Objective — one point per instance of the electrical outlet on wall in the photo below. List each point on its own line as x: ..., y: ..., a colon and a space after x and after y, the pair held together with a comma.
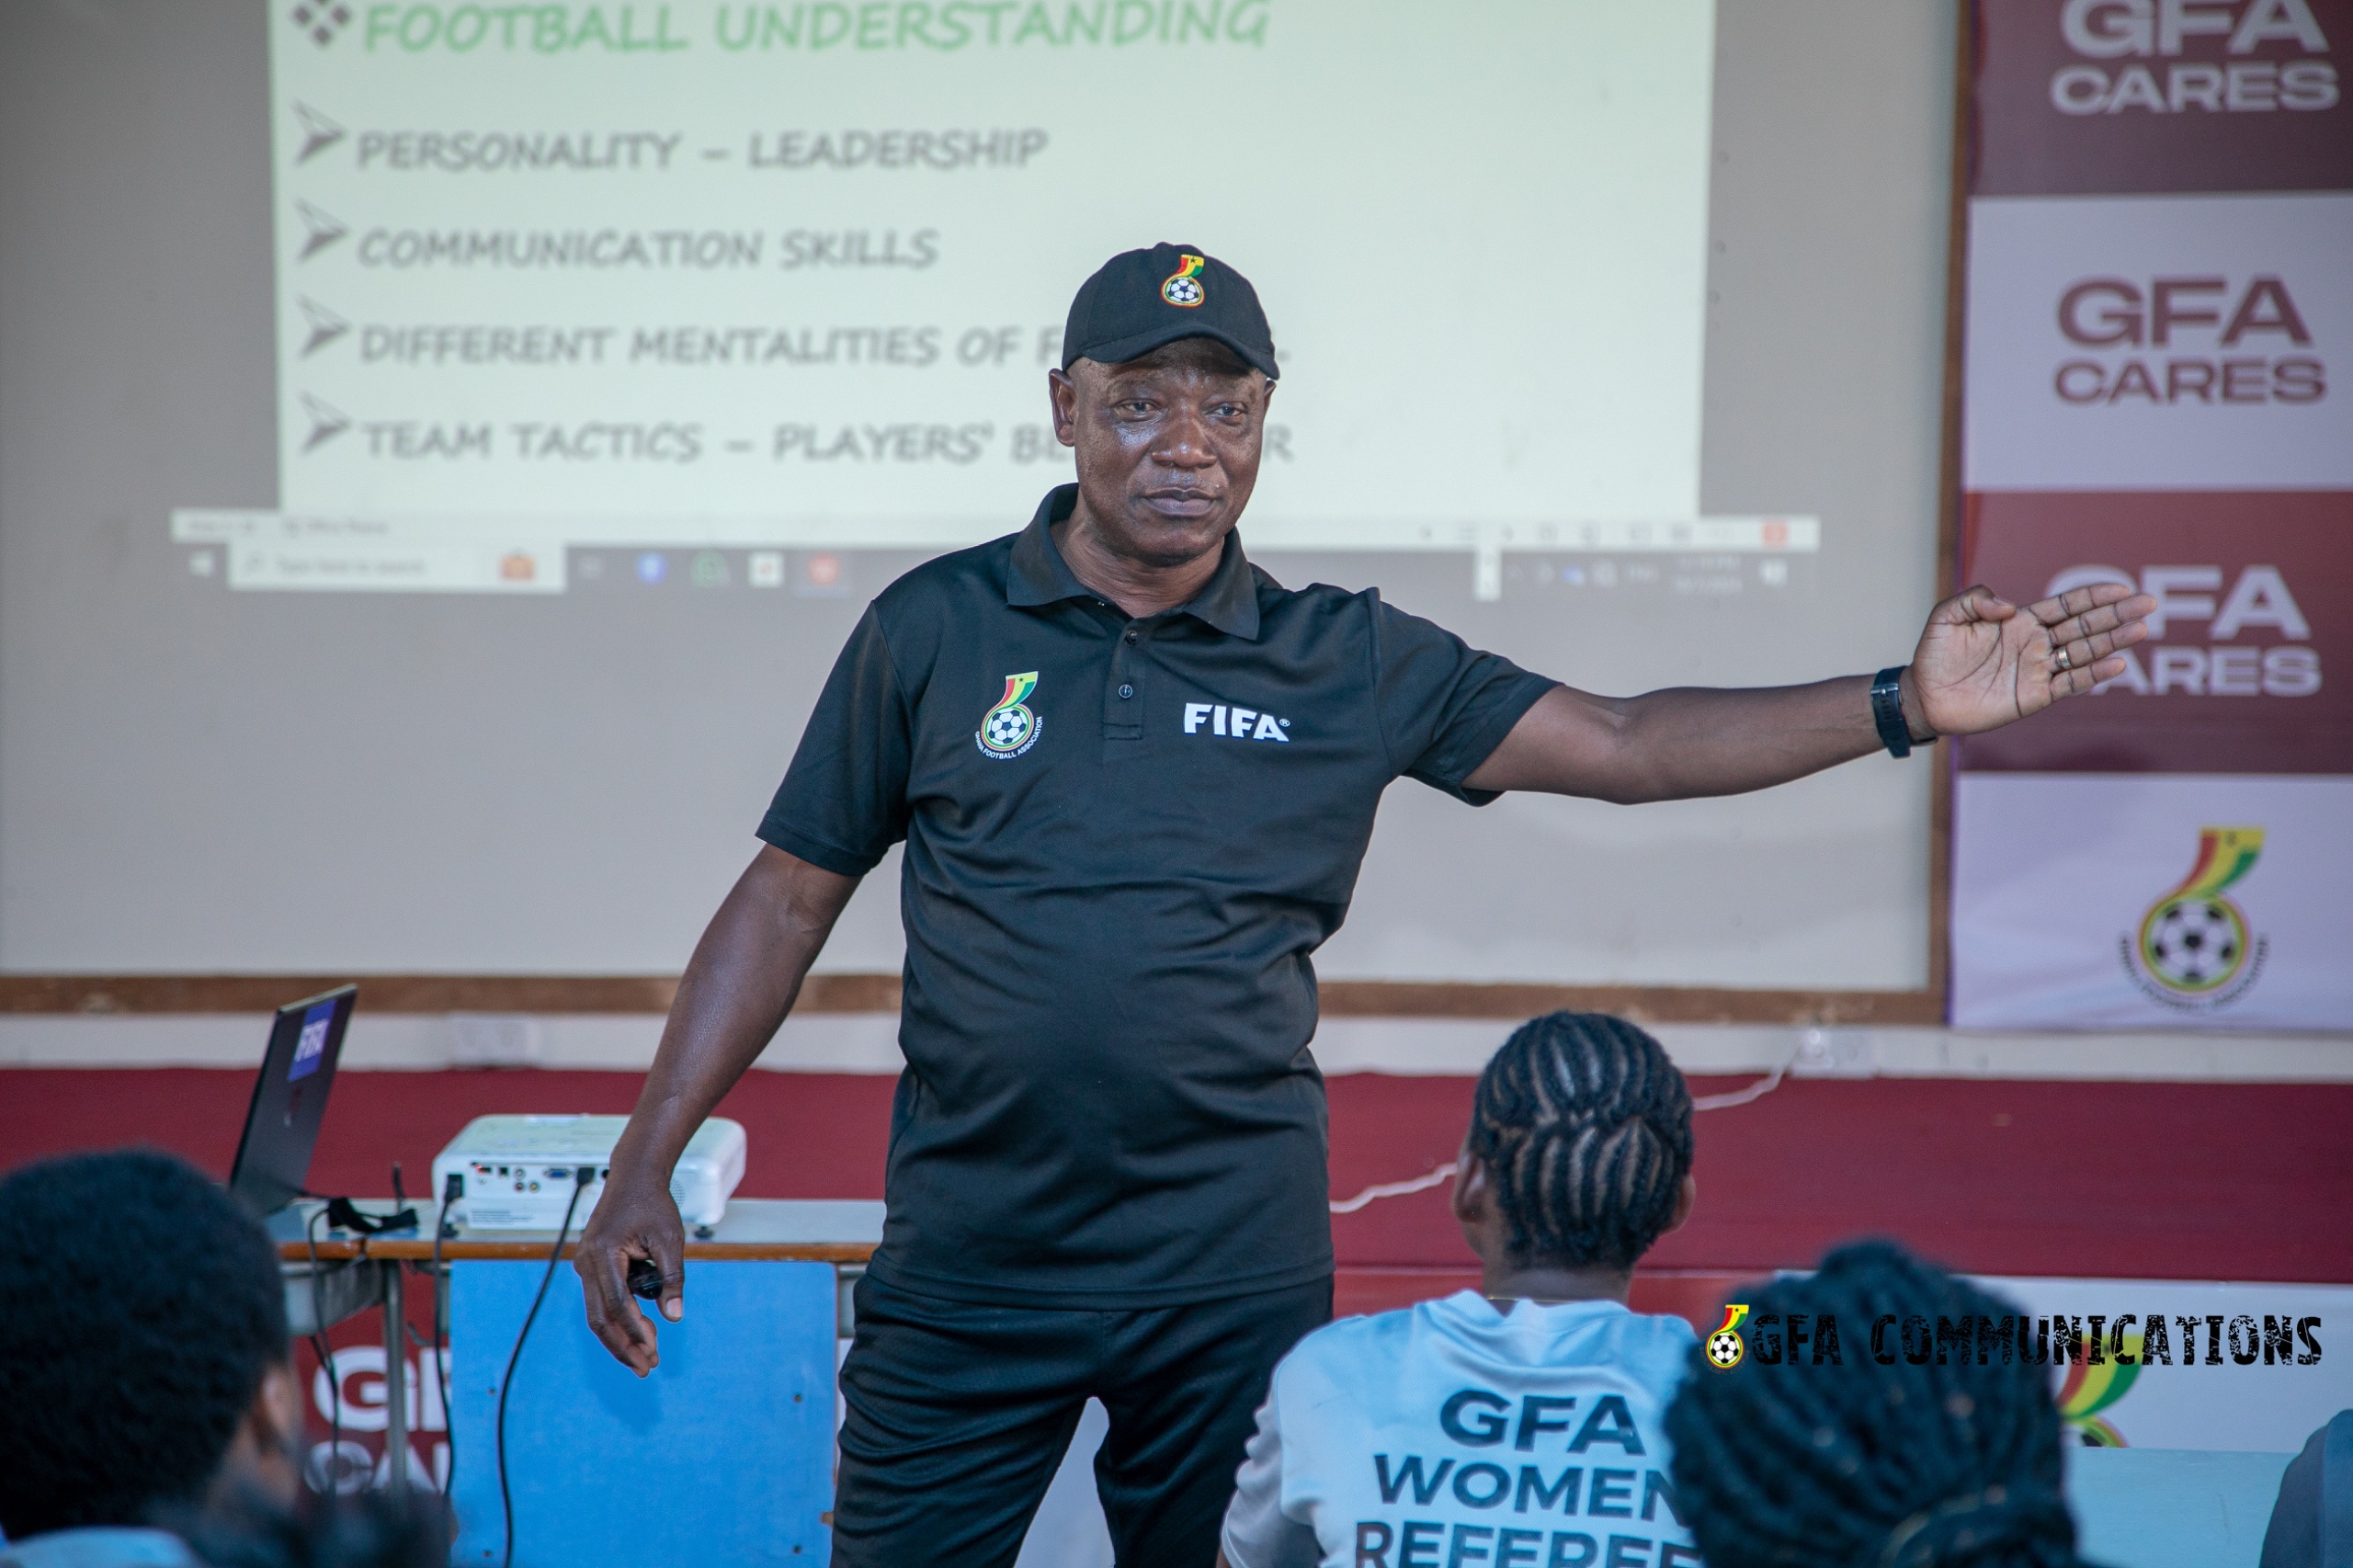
x: 1834, y: 1053
x: 493, y: 1040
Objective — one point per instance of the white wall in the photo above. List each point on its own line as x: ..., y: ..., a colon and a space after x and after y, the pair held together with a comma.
x: 868, y: 1042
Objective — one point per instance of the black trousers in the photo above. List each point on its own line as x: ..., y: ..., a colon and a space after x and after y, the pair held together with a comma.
x: 959, y: 1415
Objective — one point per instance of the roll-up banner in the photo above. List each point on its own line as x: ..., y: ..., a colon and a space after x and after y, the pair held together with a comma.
x: 2158, y: 390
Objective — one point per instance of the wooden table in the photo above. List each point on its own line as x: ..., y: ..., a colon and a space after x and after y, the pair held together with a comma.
x: 755, y: 1230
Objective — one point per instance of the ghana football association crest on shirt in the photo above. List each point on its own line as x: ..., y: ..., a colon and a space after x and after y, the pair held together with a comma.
x: 2194, y: 950
x: 1009, y: 729
x: 1725, y: 1347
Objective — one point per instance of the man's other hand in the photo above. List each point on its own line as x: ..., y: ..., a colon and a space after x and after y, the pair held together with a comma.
x: 735, y: 994
x: 634, y: 1219
x: 1983, y: 662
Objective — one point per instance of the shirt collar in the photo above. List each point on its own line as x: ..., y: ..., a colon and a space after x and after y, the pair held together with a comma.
x: 1040, y: 576
x: 1477, y: 1310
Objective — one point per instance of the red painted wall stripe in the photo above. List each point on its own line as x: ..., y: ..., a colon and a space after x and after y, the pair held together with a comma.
x: 2223, y: 1181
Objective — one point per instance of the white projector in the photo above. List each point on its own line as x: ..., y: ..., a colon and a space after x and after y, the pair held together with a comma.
x: 515, y: 1172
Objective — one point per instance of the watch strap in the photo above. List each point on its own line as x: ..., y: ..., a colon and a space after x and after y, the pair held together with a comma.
x: 1887, y: 711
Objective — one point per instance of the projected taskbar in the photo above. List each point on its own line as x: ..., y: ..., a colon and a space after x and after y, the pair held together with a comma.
x: 288, y: 552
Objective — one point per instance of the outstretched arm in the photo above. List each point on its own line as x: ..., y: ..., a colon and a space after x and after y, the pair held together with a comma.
x: 746, y: 973
x: 1982, y: 663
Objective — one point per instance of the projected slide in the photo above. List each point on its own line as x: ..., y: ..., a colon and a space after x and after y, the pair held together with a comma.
x: 791, y: 275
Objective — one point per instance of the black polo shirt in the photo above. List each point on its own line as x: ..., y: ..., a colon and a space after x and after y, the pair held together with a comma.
x: 1124, y: 840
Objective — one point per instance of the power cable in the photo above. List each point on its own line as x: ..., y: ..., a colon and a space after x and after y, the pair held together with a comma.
x: 329, y: 1472
x: 580, y: 1180
x: 1747, y: 1094
x: 451, y: 1189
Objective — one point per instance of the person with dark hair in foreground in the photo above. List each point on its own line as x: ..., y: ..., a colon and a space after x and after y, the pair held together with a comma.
x: 144, y: 1367
x: 1867, y: 1462
x: 1519, y: 1423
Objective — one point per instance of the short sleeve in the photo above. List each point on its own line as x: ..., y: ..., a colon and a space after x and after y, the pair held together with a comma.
x: 1258, y: 1533
x: 844, y: 801
x: 1443, y: 706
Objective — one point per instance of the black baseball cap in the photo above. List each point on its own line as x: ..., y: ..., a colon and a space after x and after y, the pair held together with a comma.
x: 1141, y: 299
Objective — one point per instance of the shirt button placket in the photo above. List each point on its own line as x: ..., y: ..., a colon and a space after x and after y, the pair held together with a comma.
x: 1123, y: 693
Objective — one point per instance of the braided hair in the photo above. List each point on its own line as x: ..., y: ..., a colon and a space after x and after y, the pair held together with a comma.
x: 1585, y: 1127
x: 1860, y: 1464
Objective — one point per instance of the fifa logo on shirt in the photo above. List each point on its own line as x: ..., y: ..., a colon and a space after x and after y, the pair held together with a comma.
x: 1009, y: 729
x: 1239, y: 723
x: 1725, y: 1347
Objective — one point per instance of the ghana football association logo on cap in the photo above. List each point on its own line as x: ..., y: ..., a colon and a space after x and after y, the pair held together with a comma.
x: 2194, y: 950
x: 1184, y: 287
x: 1009, y: 727
x: 1725, y: 1347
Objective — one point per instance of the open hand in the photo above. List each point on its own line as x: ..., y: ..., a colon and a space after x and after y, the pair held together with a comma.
x: 1983, y: 662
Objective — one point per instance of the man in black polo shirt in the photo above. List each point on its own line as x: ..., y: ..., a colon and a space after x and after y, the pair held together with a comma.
x: 1135, y: 778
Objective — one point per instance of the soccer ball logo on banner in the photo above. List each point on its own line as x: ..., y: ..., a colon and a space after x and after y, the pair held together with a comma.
x: 2194, y: 944
x: 2194, y: 949
x: 2089, y: 1390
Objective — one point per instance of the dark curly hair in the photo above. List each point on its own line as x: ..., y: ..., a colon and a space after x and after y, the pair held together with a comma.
x: 139, y: 1307
x: 1585, y: 1127
x: 1861, y: 1463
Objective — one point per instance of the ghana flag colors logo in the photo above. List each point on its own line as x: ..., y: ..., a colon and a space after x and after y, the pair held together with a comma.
x: 1184, y: 286
x: 1725, y: 1347
x: 1009, y: 727
x: 2089, y: 1390
x: 2193, y: 947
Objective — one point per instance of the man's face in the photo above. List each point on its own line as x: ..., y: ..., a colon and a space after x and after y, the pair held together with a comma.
x: 1167, y: 447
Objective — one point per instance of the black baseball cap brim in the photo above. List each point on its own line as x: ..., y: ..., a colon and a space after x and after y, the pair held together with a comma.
x: 1119, y: 350
x: 1129, y: 308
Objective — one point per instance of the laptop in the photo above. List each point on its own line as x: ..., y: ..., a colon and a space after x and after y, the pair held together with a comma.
x: 290, y: 1100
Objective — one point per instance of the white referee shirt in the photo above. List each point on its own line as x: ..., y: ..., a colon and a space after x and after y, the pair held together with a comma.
x: 1452, y: 1435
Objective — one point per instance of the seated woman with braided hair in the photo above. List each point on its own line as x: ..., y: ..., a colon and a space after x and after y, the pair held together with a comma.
x: 1517, y: 1425
x: 1869, y: 1459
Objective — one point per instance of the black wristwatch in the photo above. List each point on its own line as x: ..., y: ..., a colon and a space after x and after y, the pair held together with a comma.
x: 1887, y: 711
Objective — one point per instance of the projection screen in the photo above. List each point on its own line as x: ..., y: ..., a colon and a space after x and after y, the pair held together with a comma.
x: 443, y: 446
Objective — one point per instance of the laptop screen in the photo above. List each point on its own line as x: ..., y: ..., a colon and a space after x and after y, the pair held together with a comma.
x: 290, y: 1100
